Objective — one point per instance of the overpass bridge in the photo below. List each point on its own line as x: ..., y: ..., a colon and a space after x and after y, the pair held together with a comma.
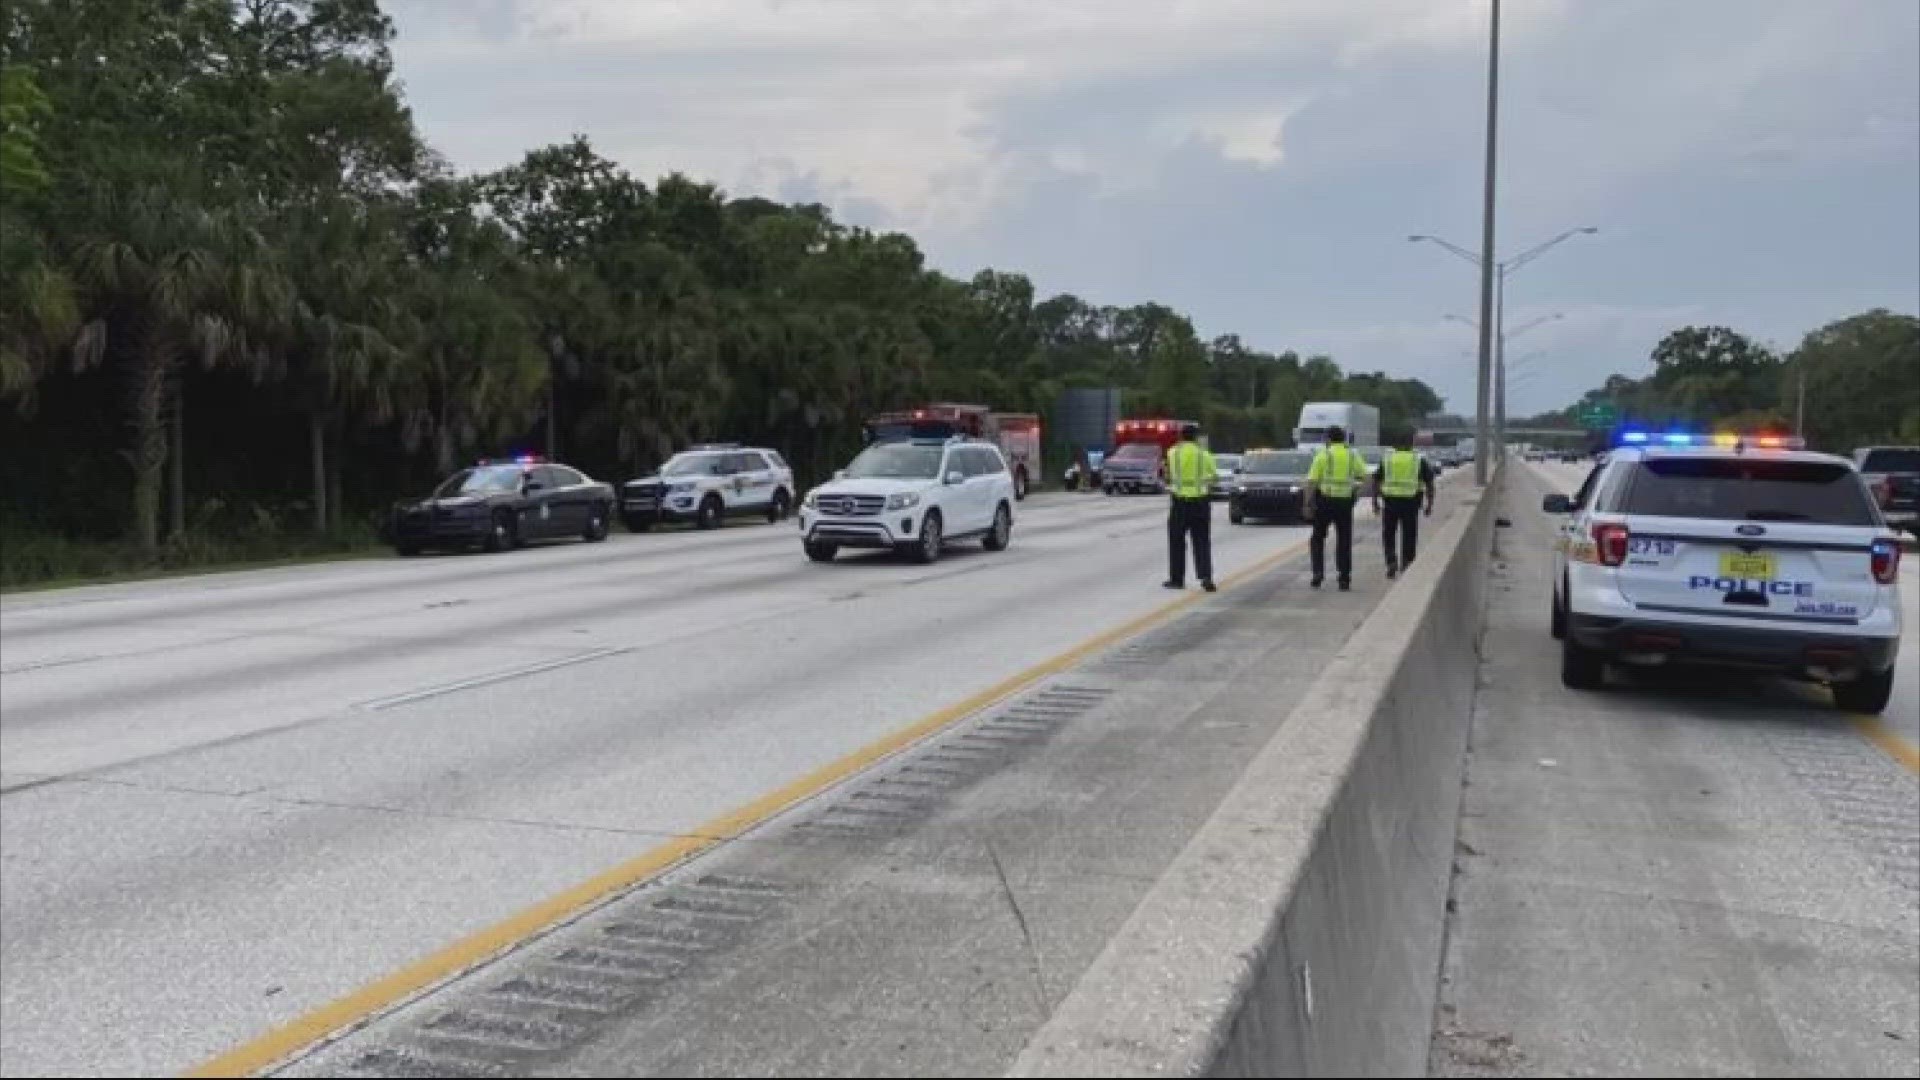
x: 1511, y: 431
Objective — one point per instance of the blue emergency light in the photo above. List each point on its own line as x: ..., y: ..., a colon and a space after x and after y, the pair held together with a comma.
x: 1668, y: 438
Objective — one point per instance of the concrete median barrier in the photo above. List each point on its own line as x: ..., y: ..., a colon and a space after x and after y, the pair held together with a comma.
x: 1300, y: 931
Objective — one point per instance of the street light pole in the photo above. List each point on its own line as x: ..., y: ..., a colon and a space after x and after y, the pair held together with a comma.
x: 1486, y: 248
x: 1500, y: 362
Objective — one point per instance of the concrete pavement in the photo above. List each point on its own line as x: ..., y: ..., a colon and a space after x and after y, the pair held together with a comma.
x: 1679, y: 876
x: 232, y: 799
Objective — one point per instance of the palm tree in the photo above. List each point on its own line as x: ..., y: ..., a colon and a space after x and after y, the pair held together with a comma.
x: 164, y: 281
x: 334, y: 346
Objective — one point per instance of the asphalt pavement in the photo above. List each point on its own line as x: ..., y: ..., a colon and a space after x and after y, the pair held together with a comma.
x: 229, y: 800
x: 1681, y: 875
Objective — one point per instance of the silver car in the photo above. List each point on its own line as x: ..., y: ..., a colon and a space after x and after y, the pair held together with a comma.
x: 1227, y: 466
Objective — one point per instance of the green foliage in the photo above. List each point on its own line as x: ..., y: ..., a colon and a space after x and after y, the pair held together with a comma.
x: 1862, y: 379
x: 1861, y: 376
x: 23, y: 110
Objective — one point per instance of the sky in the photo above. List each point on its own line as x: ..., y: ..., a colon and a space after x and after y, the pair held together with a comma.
x: 1260, y: 164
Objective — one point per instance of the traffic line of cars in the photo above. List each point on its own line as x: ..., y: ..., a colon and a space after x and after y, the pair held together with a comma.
x: 499, y: 505
x: 912, y: 496
x: 1749, y: 553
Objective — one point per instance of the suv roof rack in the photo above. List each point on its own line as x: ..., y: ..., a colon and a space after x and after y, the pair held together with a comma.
x: 715, y: 446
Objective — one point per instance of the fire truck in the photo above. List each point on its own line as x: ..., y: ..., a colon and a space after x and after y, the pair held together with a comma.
x: 1016, y: 434
x: 1138, y: 462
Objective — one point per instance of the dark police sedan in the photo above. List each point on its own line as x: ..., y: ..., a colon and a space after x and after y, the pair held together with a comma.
x: 1269, y: 485
x: 502, y: 504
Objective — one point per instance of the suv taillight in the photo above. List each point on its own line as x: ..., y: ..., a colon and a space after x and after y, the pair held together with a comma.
x: 1886, y: 561
x: 1610, y: 543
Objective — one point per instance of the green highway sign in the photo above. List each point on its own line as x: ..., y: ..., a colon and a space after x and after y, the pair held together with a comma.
x: 1598, y: 416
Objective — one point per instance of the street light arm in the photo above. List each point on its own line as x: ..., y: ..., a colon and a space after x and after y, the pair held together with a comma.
x: 1538, y: 250
x: 1526, y: 326
x: 1448, y: 244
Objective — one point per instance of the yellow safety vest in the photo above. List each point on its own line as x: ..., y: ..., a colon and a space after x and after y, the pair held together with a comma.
x: 1400, y: 476
x: 1190, y: 471
x: 1333, y: 470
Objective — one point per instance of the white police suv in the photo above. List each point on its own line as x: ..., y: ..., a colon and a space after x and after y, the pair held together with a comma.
x: 1749, y: 552
x: 708, y: 483
x: 912, y: 497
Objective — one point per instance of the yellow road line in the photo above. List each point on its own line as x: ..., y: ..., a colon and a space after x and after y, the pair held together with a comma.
x: 362, y: 1004
x: 1897, y: 748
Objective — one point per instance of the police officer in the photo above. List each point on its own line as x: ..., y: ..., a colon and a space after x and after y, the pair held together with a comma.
x: 1331, y: 480
x: 1399, y: 480
x: 1190, y: 476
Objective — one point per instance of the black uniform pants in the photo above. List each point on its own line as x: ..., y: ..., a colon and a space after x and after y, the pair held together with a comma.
x: 1190, y: 517
x: 1400, y: 516
x: 1335, y: 514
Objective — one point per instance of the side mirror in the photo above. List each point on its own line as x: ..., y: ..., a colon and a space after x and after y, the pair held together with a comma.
x: 1557, y: 504
x: 839, y: 474
x: 956, y: 477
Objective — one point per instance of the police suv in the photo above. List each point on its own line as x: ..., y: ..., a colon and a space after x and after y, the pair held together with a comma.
x: 912, y: 497
x: 708, y: 483
x: 1749, y: 552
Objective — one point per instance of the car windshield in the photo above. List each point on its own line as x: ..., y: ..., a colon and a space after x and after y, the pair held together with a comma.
x: 896, y: 461
x: 690, y: 465
x: 1737, y: 489
x: 1892, y: 460
x: 477, y: 481
x: 1277, y: 463
x: 1138, y: 451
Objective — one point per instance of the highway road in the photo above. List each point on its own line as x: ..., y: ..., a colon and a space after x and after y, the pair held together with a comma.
x: 1686, y: 874
x: 231, y: 799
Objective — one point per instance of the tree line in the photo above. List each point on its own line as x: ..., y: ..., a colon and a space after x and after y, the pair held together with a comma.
x: 1853, y: 382
x: 241, y: 286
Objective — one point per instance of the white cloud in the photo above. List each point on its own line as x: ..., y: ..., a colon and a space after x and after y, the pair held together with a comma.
x: 1254, y: 140
x: 892, y: 98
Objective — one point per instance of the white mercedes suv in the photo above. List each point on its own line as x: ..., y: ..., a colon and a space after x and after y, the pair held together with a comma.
x: 1748, y: 554
x: 912, y: 497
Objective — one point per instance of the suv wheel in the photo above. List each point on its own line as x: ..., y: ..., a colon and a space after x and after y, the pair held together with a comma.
x: 708, y: 516
x: 1234, y: 516
x: 1019, y: 484
x: 1001, y: 534
x: 1581, y: 668
x: 782, y: 506
x: 931, y: 537
x: 820, y: 552
x: 1866, y: 694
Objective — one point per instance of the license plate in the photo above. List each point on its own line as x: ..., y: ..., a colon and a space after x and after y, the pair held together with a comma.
x: 1750, y: 567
